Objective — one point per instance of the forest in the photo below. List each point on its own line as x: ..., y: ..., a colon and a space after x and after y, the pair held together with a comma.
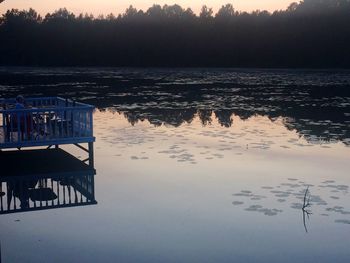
x: 308, y: 34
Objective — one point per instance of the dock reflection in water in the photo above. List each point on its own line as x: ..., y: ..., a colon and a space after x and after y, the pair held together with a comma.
x: 38, y: 180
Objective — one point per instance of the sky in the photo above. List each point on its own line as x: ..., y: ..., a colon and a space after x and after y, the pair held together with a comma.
x: 97, y: 7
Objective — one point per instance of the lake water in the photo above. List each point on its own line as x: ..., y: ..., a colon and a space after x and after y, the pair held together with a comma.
x: 198, y: 165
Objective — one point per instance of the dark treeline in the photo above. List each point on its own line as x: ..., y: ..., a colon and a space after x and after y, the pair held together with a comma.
x: 312, y: 33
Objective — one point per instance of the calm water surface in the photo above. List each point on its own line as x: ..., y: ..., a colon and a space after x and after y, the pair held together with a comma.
x: 198, y: 166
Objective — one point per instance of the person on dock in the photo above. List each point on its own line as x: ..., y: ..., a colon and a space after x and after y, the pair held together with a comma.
x: 20, y: 121
x: 20, y: 102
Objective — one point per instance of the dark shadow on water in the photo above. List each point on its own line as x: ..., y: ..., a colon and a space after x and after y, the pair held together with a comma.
x: 44, y: 179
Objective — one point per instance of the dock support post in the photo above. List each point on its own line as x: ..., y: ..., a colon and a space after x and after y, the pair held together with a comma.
x: 91, y: 154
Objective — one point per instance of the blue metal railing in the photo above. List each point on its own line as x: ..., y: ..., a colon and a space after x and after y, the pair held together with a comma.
x: 45, y: 121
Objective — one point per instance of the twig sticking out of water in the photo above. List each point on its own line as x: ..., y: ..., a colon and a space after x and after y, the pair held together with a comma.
x: 306, y: 205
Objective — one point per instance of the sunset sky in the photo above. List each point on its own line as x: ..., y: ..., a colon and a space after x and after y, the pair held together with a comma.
x: 114, y: 6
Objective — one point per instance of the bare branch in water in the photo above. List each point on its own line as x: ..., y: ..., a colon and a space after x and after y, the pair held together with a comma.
x: 306, y: 204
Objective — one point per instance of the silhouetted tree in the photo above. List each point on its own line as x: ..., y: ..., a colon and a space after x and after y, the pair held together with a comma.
x: 226, y: 12
x: 206, y: 13
x: 60, y: 15
x: 15, y: 17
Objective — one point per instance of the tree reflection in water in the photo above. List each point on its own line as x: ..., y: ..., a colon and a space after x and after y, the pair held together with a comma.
x: 316, y: 104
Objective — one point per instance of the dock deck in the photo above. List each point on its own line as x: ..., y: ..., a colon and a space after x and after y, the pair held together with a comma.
x: 44, y: 122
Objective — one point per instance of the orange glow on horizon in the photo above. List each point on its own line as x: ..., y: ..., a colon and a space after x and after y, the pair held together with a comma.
x: 97, y: 7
